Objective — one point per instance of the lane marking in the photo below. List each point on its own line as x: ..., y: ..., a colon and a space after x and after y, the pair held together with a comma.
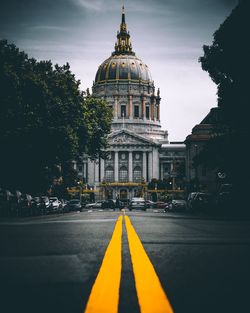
x: 104, y: 296
x: 151, y: 296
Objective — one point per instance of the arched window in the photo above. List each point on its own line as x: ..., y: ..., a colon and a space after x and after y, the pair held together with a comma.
x: 137, y: 174
x: 147, y: 112
x: 109, y: 174
x: 136, y: 111
x: 123, y: 174
x: 123, y: 110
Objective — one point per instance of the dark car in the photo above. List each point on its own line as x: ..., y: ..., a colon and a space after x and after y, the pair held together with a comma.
x: 108, y: 204
x: 178, y: 205
x: 6, y: 201
x: 200, y: 201
x: 123, y: 203
x: 74, y: 205
x: 226, y: 196
x: 36, y: 205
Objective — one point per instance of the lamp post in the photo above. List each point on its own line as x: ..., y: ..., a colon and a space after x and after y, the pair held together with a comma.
x: 80, y: 183
x: 196, y: 170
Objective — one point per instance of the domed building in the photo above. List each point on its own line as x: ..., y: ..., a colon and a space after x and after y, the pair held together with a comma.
x: 125, y: 82
x: 137, y: 144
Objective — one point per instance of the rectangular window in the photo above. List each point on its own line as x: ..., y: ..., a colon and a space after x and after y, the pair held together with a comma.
x: 123, y: 175
x: 136, y: 111
x: 147, y: 112
x: 123, y: 110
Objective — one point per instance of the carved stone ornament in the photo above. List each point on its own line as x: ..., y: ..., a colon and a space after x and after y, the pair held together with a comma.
x: 124, y: 138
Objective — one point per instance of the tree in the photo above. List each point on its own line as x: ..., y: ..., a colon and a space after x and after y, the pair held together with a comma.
x: 45, y: 120
x: 228, y: 64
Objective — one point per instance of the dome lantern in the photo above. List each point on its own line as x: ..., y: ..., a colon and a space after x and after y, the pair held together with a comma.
x: 123, y: 44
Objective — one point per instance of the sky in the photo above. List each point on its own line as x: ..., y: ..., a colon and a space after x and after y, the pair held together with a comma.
x: 167, y: 35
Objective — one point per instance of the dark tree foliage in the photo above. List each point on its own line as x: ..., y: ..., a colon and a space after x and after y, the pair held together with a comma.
x: 45, y: 121
x: 228, y: 63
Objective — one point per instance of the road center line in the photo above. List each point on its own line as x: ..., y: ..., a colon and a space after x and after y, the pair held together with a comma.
x: 104, y: 296
x: 151, y: 296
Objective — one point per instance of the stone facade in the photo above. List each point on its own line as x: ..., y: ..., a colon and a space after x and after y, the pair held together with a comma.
x: 198, y: 177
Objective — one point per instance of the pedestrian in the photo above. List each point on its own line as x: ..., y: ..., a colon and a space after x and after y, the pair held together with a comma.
x: 117, y: 203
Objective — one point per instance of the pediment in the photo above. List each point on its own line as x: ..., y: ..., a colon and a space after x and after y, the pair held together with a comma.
x: 125, y: 137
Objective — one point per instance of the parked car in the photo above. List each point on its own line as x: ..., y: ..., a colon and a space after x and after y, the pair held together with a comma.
x: 226, y: 197
x: 73, y: 205
x: 178, y: 205
x: 108, y: 204
x: 36, y: 205
x: 95, y: 205
x: 124, y: 203
x: 6, y: 202
x: 167, y: 207
x: 64, y: 205
x: 150, y: 204
x: 138, y: 203
x: 200, y: 201
x: 25, y: 206
x: 45, y: 205
x: 160, y: 204
x: 55, y: 204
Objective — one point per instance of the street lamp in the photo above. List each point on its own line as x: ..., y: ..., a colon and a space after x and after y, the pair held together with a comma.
x: 196, y: 169
x: 80, y: 183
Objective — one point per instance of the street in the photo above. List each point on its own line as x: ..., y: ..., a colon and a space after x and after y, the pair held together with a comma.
x: 50, y: 263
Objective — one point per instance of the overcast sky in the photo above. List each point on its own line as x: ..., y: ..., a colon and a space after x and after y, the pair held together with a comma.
x: 167, y: 35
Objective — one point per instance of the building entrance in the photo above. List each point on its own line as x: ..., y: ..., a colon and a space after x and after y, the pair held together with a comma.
x: 123, y: 194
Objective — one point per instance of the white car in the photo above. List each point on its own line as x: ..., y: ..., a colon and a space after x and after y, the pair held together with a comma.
x: 55, y: 204
x: 95, y: 205
x: 138, y: 203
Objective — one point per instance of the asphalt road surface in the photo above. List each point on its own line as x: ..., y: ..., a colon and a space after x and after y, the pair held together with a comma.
x: 50, y: 263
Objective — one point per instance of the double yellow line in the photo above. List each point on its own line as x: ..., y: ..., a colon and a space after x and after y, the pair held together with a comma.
x: 104, y: 297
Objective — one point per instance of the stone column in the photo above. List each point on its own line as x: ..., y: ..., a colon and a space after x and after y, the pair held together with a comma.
x: 143, y: 107
x: 96, y: 171
x: 91, y: 173
x: 162, y: 173
x: 116, y: 108
x: 150, y: 166
x: 144, y: 165
x: 155, y: 163
x: 152, y: 110
x: 102, y: 169
x: 158, y: 111
x: 84, y: 169
x: 130, y: 107
x: 116, y: 167
x: 130, y: 166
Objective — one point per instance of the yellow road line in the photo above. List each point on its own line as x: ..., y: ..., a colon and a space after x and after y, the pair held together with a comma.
x: 151, y: 296
x: 104, y: 297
